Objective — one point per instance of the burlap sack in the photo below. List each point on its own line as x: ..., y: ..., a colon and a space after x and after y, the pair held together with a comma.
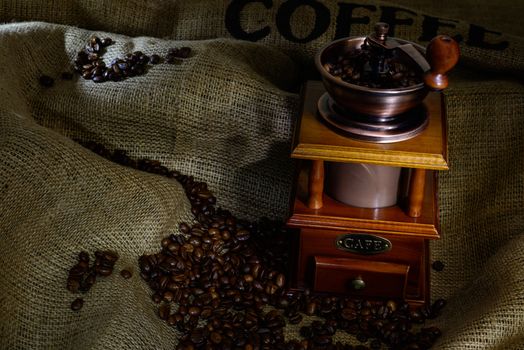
x: 499, y: 16
x: 225, y: 116
x: 299, y: 27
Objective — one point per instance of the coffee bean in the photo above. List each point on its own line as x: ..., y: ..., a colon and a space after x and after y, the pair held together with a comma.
x: 311, y: 308
x: 94, y: 40
x: 98, y: 79
x: 255, y: 270
x: 77, y: 304
x: 83, y: 256
x: 171, y: 59
x: 177, y: 53
x: 349, y: 314
x: 197, y: 337
x: 163, y: 311
x: 280, y: 280
x: 215, y: 338
x: 438, y: 265
x: 73, y: 285
x: 271, y: 288
x: 194, y: 311
x: 248, y: 278
x: 154, y: 59
x: 168, y: 296
x: 90, y: 279
x: 184, y: 52
x: 83, y: 265
x: 365, y: 311
x: 438, y: 305
x: 109, y: 256
x: 126, y: 274
x: 416, y: 316
x: 426, y: 311
x: 362, y: 337
x: 295, y: 318
x: 77, y: 271
x: 184, y: 228
x: 46, y: 81
x: 391, y: 305
x: 263, y: 330
x: 173, y: 319
x: 93, y: 57
x: 243, y: 235
x: 157, y: 298
x: 198, y: 253
x: 106, y: 41
x: 93, y: 47
x: 104, y: 271
x: 195, y: 241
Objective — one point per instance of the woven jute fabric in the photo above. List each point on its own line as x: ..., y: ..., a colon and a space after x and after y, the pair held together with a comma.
x: 500, y: 16
x: 226, y: 116
x: 299, y: 27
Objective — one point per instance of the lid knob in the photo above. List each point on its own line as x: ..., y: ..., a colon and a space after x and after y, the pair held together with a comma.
x: 381, y: 31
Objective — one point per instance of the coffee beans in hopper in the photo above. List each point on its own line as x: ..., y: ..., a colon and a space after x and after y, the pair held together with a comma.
x: 221, y: 281
x: 365, y: 67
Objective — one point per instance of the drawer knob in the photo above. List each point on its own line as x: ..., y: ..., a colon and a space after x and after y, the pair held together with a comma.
x: 358, y: 283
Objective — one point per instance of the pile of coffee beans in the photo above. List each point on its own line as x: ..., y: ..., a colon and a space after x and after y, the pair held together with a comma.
x: 369, y: 68
x: 221, y: 281
x: 82, y: 276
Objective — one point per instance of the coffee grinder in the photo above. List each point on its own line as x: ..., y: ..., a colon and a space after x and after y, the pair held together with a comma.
x: 364, y: 204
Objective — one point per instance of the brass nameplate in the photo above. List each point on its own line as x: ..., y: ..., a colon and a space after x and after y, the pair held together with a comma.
x: 361, y: 243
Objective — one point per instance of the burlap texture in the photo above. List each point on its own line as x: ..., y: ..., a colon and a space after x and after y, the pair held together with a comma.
x: 225, y: 116
x: 287, y: 23
x: 501, y: 16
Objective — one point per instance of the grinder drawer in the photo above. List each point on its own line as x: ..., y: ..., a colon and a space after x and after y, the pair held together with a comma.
x: 359, y: 277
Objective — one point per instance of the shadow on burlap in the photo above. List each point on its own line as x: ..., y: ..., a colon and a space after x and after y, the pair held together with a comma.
x: 225, y: 115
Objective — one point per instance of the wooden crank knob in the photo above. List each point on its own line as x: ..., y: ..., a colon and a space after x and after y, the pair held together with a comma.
x: 442, y: 55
